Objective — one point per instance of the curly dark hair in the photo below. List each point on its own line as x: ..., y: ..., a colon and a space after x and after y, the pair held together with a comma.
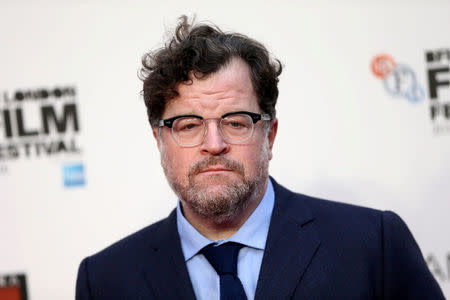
x: 201, y: 50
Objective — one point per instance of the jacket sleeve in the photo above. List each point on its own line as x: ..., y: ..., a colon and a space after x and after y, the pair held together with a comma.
x: 406, y: 274
x: 82, y: 287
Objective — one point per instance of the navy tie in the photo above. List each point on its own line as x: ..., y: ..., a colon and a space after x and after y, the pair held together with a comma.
x: 224, y: 258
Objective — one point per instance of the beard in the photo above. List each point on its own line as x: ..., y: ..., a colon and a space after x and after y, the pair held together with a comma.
x: 219, y: 197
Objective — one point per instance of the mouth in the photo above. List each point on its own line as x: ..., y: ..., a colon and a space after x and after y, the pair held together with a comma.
x: 215, y: 170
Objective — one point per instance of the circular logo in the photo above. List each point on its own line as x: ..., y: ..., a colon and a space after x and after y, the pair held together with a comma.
x: 382, y: 65
x: 402, y: 82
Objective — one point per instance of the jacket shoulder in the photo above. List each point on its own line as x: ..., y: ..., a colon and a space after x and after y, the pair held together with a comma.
x: 324, y: 210
x: 118, y: 269
x: 341, y: 226
x: 135, y: 243
x: 127, y: 254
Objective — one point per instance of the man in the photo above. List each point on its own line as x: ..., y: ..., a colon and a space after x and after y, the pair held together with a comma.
x: 236, y: 233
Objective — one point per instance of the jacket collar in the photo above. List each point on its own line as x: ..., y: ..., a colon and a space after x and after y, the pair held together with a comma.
x: 291, y: 244
x: 165, y: 271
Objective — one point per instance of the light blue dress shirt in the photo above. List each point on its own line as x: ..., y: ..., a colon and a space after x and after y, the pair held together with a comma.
x: 252, y: 234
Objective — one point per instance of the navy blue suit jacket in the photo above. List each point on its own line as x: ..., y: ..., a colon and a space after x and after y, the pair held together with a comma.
x: 316, y: 249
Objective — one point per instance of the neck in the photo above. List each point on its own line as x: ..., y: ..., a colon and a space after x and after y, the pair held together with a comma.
x: 210, y: 228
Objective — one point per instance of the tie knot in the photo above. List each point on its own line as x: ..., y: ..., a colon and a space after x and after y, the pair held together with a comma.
x: 223, y: 258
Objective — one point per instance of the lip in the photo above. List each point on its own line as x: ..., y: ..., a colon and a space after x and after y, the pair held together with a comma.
x: 215, y: 169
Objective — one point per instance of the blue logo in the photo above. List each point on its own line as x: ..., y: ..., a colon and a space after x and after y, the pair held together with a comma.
x: 399, y: 80
x: 402, y: 82
x: 73, y: 175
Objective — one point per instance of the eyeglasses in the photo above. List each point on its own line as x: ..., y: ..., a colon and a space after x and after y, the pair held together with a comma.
x: 235, y: 127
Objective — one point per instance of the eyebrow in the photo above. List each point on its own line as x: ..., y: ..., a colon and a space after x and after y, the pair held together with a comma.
x: 222, y: 116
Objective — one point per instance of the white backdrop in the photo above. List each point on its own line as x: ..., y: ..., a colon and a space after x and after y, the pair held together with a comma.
x: 342, y: 134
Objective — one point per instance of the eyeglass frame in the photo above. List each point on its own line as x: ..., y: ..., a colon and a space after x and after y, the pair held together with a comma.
x: 254, y: 116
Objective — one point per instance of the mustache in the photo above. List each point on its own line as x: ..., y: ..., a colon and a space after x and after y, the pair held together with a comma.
x: 216, y: 160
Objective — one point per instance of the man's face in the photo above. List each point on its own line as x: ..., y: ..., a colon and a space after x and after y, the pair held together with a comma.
x: 216, y: 179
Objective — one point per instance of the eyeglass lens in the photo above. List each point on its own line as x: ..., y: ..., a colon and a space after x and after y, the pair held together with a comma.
x: 190, y: 131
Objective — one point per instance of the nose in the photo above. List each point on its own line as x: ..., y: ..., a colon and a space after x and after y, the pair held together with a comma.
x: 214, y: 143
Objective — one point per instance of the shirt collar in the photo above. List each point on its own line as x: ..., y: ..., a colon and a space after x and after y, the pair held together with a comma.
x: 253, y: 233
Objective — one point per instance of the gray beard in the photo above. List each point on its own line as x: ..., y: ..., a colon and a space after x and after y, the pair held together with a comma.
x: 223, y: 206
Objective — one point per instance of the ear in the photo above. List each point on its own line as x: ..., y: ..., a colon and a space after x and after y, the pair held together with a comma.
x: 157, y: 137
x: 272, y: 134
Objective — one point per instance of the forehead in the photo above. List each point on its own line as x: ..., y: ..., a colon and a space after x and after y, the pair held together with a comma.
x: 229, y: 89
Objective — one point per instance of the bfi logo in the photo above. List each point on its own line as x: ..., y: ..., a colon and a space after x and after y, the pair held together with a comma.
x: 438, y: 71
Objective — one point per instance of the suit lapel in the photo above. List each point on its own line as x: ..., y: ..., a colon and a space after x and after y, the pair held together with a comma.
x: 166, y: 272
x: 291, y: 244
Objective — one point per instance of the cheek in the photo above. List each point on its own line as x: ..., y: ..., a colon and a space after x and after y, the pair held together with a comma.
x: 177, y: 160
x: 262, y: 156
x: 252, y: 158
x: 181, y: 164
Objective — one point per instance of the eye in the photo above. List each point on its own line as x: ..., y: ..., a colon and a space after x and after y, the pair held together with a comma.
x: 187, y: 124
x: 187, y: 127
x: 235, y: 124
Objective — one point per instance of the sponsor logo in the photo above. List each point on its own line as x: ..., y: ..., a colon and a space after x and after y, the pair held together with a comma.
x: 13, y: 287
x: 73, y: 175
x: 399, y: 80
x: 438, y: 73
